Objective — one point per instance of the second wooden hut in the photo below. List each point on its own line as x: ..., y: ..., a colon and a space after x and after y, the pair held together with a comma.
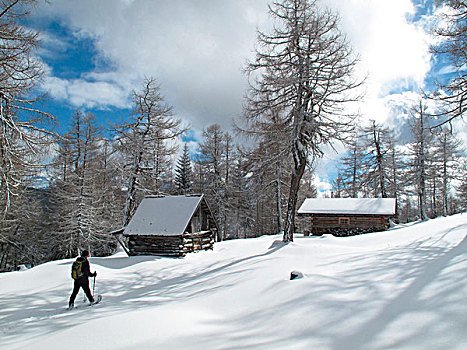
x: 346, y: 216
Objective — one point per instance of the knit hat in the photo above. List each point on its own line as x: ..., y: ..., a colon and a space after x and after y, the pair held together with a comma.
x: 85, y: 253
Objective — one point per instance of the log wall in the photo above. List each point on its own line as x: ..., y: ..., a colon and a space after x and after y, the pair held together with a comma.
x: 170, y: 245
x: 357, y: 224
x: 200, y: 241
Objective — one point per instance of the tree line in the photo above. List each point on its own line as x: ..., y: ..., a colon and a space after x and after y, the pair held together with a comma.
x: 426, y: 176
x: 300, y: 83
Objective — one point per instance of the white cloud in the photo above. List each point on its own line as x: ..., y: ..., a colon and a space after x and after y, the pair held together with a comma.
x: 197, y: 49
x: 323, y: 186
x: 83, y: 93
x: 394, y: 52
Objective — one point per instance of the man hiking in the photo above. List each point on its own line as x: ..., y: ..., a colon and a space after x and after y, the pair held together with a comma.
x: 80, y: 272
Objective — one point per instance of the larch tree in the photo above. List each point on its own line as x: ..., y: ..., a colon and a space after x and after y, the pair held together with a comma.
x: 452, y: 35
x: 211, y: 161
x: 143, y: 143
x: 239, y: 222
x: 268, y: 163
x: 396, y: 177
x: 419, y: 152
x: 351, y: 166
x: 304, y: 67
x: 24, y: 129
x: 461, y: 188
x: 377, y: 166
x: 447, y: 149
x: 80, y: 190
x: 338, y: 186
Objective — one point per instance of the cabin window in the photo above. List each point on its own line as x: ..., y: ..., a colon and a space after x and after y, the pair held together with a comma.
x: 344, y: 221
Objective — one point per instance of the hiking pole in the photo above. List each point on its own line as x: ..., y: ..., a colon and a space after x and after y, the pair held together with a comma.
x: 94, y: 285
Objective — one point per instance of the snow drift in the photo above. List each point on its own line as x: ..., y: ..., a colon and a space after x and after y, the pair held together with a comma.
x: 404, y: 288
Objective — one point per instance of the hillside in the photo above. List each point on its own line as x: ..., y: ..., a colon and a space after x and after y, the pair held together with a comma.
x: 401, y: 289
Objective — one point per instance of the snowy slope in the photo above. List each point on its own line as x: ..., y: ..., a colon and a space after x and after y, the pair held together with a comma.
x: 401, y: 289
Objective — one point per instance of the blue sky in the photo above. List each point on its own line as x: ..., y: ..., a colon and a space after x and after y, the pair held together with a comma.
x: 97, y: 52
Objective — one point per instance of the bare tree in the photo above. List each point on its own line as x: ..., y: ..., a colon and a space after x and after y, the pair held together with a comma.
x: 452, y: 33
x: 267, y: 166
x: 377, y: 166
x: 351, y: 169
x: 81, y: 214
x: 304, y: 68
x: 268, y: 163
x: 212, y: 160
x: 23, y: 128
x: 143, y: 143
x: 396, y: 178
x: 447, y: 150
x: 462, y: 186
x: 420, y: 154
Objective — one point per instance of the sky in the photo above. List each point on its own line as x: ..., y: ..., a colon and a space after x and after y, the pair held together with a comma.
x: 97, y: 52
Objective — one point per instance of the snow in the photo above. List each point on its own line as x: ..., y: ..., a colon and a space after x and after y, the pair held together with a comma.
x: 164, y: 216
x: 404, y: 288
x: 377, y: 206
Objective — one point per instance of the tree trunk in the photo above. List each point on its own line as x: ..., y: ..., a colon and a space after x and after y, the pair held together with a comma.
x: 280, y: 220
x: 445, y: 177
x: 297, y: 174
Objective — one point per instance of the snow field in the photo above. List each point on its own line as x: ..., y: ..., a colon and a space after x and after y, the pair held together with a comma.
x: 400, y: 289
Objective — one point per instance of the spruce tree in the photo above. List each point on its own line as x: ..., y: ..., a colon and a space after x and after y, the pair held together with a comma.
x: 183, y: 172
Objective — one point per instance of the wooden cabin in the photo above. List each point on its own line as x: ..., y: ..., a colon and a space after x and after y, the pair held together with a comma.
x: 346, y: 216
x: 170, y: 226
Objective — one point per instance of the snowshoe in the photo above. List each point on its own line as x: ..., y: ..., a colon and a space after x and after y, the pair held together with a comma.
x: 97, y: 300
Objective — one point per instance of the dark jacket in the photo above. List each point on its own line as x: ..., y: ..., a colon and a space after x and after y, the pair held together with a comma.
x: 85, y: 268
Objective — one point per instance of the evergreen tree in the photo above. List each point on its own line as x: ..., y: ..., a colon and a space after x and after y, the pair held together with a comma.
x: 183, y: 172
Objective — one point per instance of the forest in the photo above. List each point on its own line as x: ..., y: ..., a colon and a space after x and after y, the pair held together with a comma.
x: 62, y: 192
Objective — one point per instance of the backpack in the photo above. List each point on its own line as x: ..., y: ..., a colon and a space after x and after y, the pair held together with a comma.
x: 76, y: 270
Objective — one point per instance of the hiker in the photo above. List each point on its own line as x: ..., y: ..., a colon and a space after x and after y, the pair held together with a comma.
x: 81, y: 278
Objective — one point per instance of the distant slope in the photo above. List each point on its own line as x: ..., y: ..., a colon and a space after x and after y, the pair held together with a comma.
x: 401, y: 289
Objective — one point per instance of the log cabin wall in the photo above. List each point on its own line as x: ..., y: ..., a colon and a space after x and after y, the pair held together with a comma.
x: 199, y: 241
x: 155, y: 245
x: 170, y: 245
x: 344, y: 224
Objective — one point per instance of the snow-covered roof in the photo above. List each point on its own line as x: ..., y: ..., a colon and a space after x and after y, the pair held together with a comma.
x: 375, y: 206
x: 164, y: 216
